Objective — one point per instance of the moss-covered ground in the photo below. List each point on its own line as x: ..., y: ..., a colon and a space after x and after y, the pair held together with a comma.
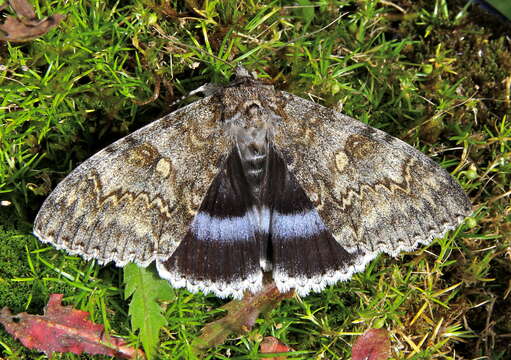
x: 434, y: 73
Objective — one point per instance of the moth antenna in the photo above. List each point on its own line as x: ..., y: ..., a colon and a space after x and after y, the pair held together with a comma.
x: 210, y: 89
x: 206, y: 90
x: 241, y: 72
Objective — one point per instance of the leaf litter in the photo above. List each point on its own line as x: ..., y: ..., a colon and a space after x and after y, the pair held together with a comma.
x: 374, y: 344
x: 65, y: 329
x: 25, y: 26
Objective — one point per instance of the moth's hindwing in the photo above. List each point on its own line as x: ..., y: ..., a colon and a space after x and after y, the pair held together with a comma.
x: 304, y: 254
x: 134, y: 200
x: 373, y: 191
x: 220, y: 252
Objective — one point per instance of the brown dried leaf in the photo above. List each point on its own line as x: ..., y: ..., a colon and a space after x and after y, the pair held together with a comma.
x: 373, y: 345
x: 271, y: 344
x: 64, y: 329
x: 25, y: 26
x: 241, y: 316
x: 23, y: 8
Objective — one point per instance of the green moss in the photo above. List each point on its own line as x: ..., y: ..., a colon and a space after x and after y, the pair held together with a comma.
x: 14, y: 241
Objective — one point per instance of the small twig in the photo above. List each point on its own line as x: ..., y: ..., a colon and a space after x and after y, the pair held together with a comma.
x: 463, y: 160
x: 384, y: 2
x: 155, y: 95
x: 190, y: 47
x: 488, y: 332
x: 498, y: 197
x: 317, y: 31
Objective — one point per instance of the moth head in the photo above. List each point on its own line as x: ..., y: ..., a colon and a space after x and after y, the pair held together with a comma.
x: 250, y: 104
x: 248, y: 117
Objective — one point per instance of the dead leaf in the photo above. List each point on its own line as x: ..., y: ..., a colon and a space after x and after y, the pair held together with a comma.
x: 64, y: 329
x: 23, y: 8
x: 25, y: 26
x: 241, y: 316
x: 373, y: 345
x: 271, y: 344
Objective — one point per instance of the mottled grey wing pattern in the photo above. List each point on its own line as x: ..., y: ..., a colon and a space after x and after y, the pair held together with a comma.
x: 373, y: 191
x: 134, y: 200
x: 308, y: 192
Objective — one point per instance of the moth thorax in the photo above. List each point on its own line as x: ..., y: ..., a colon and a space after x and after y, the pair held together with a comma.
x: 252, y: 144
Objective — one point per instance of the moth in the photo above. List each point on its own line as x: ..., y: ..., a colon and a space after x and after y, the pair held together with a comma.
x: 251, y: 180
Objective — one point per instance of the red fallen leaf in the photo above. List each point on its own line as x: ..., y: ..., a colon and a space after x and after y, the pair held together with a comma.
x: 271, y: 344
x: 373, y: 345
x: 64, y: 329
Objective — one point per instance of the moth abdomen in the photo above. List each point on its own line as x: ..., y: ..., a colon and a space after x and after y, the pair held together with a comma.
x: 252, y: 146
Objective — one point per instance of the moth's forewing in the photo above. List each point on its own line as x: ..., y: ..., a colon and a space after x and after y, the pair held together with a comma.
x: 134, y: 200
x: 373, y: 191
